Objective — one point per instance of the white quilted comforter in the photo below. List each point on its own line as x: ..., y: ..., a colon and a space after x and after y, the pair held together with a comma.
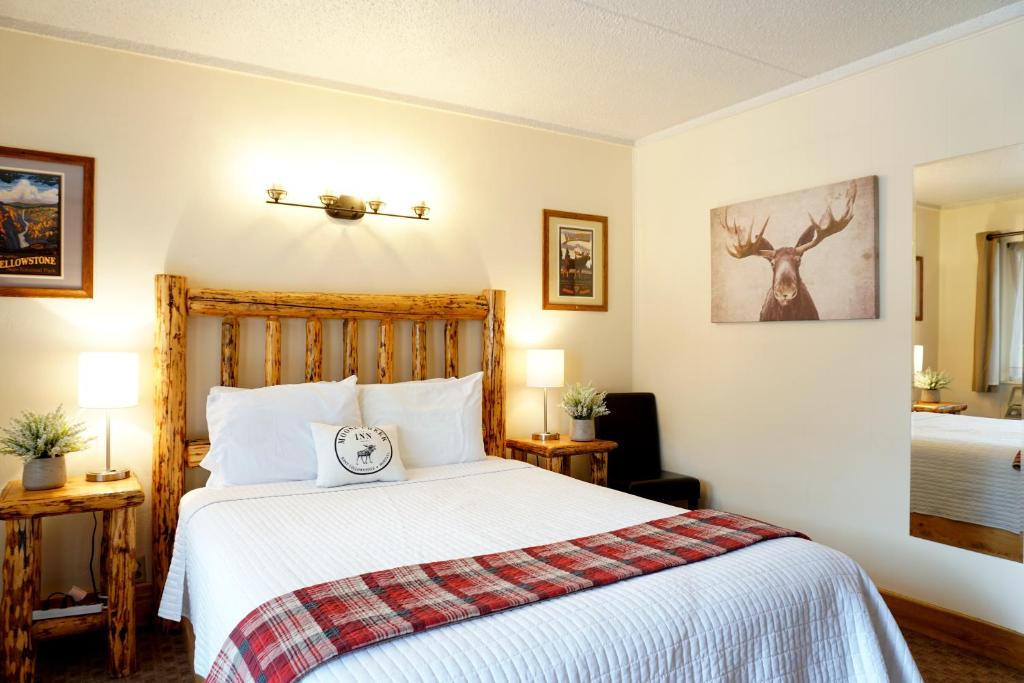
x: 786, y: 610
x: 961, y: 468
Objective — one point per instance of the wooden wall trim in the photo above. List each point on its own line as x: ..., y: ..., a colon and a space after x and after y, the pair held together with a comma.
x: 967, y: 633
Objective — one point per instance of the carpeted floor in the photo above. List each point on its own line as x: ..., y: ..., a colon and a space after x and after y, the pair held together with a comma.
x: 163, y: 659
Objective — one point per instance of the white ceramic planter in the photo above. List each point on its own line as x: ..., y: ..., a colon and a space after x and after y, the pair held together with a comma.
x: 44, y: 473
x: 582, y: 430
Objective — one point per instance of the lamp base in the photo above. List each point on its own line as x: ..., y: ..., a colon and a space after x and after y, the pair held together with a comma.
x: 107, y: 475
x: 546, y: 436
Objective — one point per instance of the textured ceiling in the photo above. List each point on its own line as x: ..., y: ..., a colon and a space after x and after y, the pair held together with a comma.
x: 993, y: 174
x: 617, y: 69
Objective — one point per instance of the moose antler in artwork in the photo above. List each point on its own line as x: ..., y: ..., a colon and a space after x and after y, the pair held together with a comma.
x: 741, y: 245
x: 788, y: 298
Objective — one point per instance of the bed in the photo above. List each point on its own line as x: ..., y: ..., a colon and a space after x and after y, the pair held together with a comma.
x: 786, y: 609
x: 965, y: 489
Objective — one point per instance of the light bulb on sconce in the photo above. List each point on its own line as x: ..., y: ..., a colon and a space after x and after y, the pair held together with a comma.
x: 347, y: 207
x: 277, y: 193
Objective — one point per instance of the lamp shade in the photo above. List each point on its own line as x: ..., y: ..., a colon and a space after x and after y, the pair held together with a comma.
x: 108, y: 379
x: 918, y: 357
x: 545, y: 368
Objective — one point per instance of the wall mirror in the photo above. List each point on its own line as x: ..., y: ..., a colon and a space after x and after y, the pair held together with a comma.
x: 966, y: 483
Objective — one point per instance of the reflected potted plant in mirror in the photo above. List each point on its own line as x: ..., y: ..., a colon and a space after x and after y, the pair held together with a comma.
x: 930, y: 382
x: 582, y: 403
x: 42, y: 441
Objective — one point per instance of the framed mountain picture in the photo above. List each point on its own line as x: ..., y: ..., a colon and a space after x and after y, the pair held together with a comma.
x: 46, y: 224
x: 575, y: 261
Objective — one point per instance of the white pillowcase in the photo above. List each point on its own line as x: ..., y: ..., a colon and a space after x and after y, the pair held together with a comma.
x: 260, y: 436
x: 439, y: 422
x: 356, y: 455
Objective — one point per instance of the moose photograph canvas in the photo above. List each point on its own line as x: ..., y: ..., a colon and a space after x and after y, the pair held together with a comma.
x: 806, y: 255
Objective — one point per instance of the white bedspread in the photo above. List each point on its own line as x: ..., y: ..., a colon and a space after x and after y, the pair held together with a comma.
x: 787, y: 609
x: 961, y: 468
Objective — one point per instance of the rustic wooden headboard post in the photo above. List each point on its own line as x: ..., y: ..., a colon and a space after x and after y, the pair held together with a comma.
x: 169, y: 446
x: 494, y: 373
x: 172, y: 452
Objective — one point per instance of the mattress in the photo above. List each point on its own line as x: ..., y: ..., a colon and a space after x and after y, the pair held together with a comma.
x: 787, y: 609
x: 961, y: 468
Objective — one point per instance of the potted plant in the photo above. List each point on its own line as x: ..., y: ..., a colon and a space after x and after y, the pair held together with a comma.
x: 582, y: 403
x: 42, y: 441
x: 930, y: 382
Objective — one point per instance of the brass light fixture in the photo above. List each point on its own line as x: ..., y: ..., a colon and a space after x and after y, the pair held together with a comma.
x: 347, y: 207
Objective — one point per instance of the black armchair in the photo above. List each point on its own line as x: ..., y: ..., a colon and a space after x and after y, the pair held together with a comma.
x: 635, y: 466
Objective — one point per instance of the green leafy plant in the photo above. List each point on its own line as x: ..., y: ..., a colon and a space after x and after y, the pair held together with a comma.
x: 43, y: 435
x: 584, y: 402
x: 931, y: 379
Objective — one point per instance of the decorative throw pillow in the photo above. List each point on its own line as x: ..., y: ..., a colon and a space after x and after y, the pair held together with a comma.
x: 356, y: 455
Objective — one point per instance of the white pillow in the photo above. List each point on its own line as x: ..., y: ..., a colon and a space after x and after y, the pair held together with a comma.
x: 260, y: 436
x: 439, y: 423
x: 356, y: 455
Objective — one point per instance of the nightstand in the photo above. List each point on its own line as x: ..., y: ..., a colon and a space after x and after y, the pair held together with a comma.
x: 22, y: 512
x: 940, y: 407
x: 556, y: 455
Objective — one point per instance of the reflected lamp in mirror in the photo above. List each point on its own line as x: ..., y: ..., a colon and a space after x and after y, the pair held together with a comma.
x: 545, y: 369
x: 107, y: 381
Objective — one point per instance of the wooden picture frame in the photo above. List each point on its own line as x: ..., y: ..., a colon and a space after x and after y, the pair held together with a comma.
x: 575, y: 261
x: 46, y: 224
x: 919, y: 287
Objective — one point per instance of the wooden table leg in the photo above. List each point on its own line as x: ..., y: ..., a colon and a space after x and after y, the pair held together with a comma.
x: 599, y: 469
x: 21, y: 570
x: 564, y: 465
x: 121, y: 590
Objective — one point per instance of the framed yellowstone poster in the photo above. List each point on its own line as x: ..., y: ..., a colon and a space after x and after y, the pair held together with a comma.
x: 46, y: 206
x: 575, y: 261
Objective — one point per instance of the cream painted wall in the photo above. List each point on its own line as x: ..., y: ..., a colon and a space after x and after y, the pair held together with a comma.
x: 183, y: 156
x: 926, y: 245
x: 806, y: 423
x: 957, y: 288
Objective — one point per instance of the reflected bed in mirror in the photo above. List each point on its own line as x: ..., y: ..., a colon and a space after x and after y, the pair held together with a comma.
x: 967, y: 487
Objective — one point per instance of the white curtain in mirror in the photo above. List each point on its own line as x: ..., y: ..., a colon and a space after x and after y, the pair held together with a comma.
x: 1006, y: 337
x: 1012, y: 285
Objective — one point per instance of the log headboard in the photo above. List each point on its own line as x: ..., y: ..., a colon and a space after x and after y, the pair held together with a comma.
x: 175, y: 301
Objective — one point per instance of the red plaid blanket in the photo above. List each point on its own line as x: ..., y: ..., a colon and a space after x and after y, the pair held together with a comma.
x: 288, y: 636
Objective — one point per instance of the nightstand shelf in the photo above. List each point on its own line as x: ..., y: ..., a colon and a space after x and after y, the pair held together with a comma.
x: 556, y: 455
x: 22, y: 512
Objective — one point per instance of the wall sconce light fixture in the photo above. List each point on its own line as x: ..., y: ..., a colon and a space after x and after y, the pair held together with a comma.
x: 347, y: 207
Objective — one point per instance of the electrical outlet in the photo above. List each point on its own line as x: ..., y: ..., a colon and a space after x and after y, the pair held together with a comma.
x: 140, y: 569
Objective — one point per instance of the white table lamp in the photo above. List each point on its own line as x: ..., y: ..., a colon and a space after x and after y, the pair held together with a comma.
x: 108, y: 380
x: 918, y: 357
x: 545, y: 369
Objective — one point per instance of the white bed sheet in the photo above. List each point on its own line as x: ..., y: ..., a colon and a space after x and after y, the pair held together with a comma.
x: 786, y: 609
x: 961, y: 468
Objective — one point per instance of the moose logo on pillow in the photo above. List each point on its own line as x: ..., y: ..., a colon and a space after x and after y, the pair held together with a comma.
x: 363, y: 450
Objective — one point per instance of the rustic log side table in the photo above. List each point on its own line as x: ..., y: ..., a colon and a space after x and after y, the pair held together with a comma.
x: 556, y: 454
x: 22, y: 512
